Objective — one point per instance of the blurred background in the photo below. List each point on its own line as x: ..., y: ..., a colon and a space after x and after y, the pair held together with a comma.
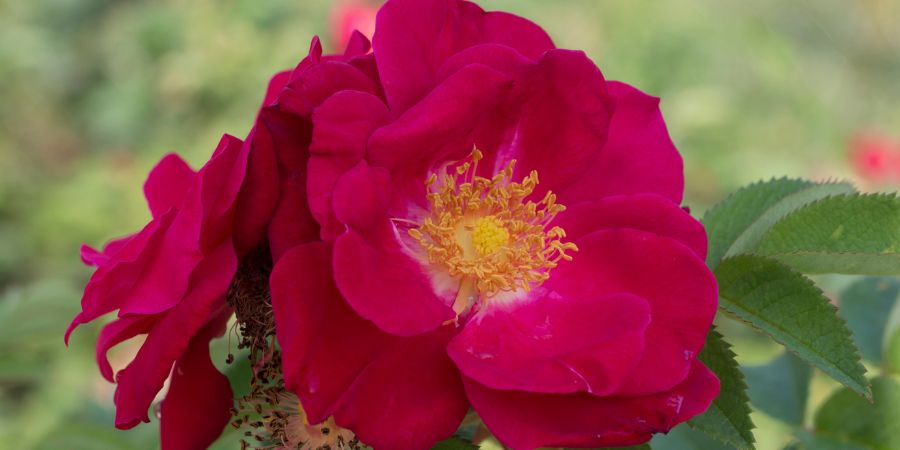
x: 93, y: 92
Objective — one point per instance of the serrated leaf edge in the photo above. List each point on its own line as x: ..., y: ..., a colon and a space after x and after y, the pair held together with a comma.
x: 765, y: 213
x: 745, y: 400
x: 867, y: 391
x: 887, y: 195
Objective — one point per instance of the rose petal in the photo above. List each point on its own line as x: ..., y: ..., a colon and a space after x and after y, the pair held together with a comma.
x: 385, y: 285
x: 311, y: 86
x: 499, y: 57
x: 639, y: 156
x: 560, y: 112
x: 203, y: 222
x: 554, y: 345
x: 525, y: 36
x: 398, y: 393
x: 325, y: 345
x: 443, y: 124
x: 119, y: 271
x: 414, y: 37
x: 357, y: 45
x: 277, y: 84
x: 525, y: 420
x: 116, y: 332
x: 92, y: 257
x: 288, y: 136
x: 645, y: 212
x: 168, y: 184
x: 409, y: 398
x: 362, y: 196
x: 442, y: 128
x: 258, y: 195
x: 139, y: 383
x: 675, y: 282
x: 198, y: 404
x: 341, y: 129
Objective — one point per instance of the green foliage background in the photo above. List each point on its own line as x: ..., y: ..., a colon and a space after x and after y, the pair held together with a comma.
x: 93, y: 92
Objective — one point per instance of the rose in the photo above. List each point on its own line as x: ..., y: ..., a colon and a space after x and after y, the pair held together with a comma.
x: 342, y: 148
x: 169, y: 280
x: 449, y: 276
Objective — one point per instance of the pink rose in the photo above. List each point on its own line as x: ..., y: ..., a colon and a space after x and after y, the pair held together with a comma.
x: 170, y: 280
x: 500, y: 229
x: 462, y: 217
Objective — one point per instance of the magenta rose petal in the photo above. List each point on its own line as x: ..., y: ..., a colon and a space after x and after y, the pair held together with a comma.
x: 198, y: 404
x: 202, y: 220
x: 385, y: 285
x: 92, y: 257
x: 526, y: 420
x: 338, y: 363
x: 639, y: 156
x: 554, y: 345
x: 116, y: 332
x: 119, y: 268
x: 414, y: 37
x: 526, y: 37
x: 325, y: 345
x: 288, y: 138
x: 562, y: 116
x: 409, y: 398
x: 645, y: 212
x: 276, y: 85
x: 675, y: 282
x: 357, y: 45
x: 258, y: 197
x: 341, y: 129
x: 375, y: 274
x: 167, y: 183
x: 499, y: 57
x: 139, y: 383
x: 311, y: 86
x: 442, y: 126
x: 410, y: 41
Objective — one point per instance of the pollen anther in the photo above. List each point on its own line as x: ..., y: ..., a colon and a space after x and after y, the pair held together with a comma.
x: 484, y: 231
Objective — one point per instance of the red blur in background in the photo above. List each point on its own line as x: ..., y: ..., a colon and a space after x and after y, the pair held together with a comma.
x: 875, y: 158
x: 350, y: 15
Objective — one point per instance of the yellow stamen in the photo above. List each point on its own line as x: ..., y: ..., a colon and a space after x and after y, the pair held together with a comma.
x: 489, y: 235
x: 485, y: 232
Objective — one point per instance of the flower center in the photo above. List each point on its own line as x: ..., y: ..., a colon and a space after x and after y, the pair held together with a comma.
x: 485, y: 232
x: 489, y: 235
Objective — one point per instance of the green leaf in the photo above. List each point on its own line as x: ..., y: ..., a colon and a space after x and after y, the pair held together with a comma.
x: 848, y: 418
x: 891, y: 343
x: 810, y: 441
x: 866, y: 306
x: 455, y: 443
x: 683, y: 437
x: 852, y: 234
x: 780, y: 388
x: 728, y: 418
x: 633, y: 447
x: 737, y: 223
x: 793, y: 311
